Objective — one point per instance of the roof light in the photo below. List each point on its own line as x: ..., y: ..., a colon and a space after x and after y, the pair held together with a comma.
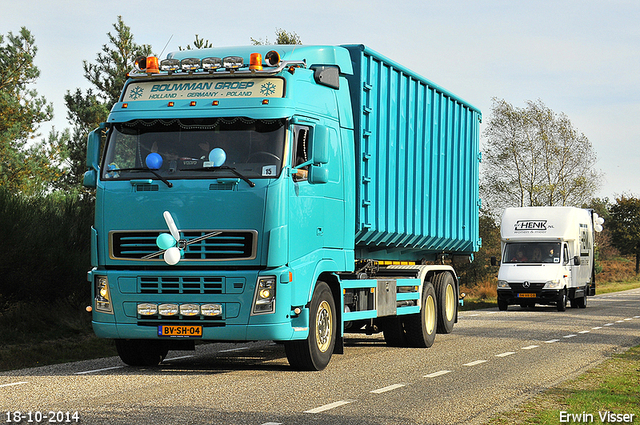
x: 170, y: 65
x: 272, y: 58
x: 152, y: 65
x: 232, y: 62
x: 255, y: 61
x: 211, y: 64
x: 140, y: 63
x: 190, y: 64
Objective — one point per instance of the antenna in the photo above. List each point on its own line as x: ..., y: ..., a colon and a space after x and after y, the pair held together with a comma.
x: 165, y: 46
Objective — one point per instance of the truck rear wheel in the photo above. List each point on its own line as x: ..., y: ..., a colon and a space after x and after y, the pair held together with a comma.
x: 142, y: 352
x: 447, y: 300
x: 315, y: 352
x: 393, y: 331
x: 420, y: 329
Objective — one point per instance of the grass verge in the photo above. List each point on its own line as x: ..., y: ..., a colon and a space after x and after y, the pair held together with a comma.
x: 604, y: 394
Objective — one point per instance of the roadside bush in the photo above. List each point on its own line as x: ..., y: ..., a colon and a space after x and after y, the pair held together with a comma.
x: 46, y: 248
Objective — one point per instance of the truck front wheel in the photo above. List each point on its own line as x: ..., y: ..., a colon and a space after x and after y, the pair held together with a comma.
x: 315, y: 352
x: 141, y: 352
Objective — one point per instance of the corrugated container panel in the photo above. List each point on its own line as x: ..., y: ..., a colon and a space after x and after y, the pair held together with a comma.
x: 418, y: 154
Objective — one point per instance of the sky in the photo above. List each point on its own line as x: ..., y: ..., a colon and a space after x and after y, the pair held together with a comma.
x: 580, y: 57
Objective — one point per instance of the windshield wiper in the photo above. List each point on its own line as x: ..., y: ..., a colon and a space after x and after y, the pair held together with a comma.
x: 225, y: 167
x: 165, y: 181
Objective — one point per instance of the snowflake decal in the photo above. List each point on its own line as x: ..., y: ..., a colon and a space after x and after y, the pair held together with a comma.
x: 136, y: 93
x: 268, y: 89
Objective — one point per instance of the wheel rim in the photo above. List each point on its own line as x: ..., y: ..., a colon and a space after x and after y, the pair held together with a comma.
x: 430, y: 315
x: 323, y: 326
x: 450, y: 303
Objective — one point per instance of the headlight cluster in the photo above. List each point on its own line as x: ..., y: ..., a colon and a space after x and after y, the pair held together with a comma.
x: 102, y: 295
x: 502, y: 284
x: 265, y: 296
x: 150, y: 309
x: 553, y: 284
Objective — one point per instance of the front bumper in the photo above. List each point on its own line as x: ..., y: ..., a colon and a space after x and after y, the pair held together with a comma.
x: 529, y: 296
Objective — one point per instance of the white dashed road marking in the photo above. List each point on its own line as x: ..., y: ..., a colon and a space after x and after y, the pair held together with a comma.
x: 477, y: 362
x: 436, y: 374
x: 385, y: 389
x: 328, y: 406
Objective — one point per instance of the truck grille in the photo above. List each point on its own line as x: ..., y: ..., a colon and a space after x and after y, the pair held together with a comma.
x: 224, y: 246
x: 181, y: 285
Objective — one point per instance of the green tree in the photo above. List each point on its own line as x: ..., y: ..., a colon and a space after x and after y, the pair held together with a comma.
x: 624, y: 225
x: 86, y: 110
x: 535, y: 157
x: 26, y: 166
x: 282, y: 37
x: 199, y: 43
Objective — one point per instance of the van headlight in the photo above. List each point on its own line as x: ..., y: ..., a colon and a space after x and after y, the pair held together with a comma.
x: 103, y: 295
x: 502, y: 284
x: 553, y: 284
x: 264, y: 300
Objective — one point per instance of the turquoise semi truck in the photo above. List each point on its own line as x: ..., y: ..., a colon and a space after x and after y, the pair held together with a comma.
x: 285, y: 193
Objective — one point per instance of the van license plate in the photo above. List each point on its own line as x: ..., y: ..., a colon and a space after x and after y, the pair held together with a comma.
x: 526, y: 295
x: 180, y: 331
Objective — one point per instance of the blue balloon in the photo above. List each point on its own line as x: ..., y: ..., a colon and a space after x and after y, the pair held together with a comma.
x: 165, y: 241
x: 218, y: 156
x: 153, y: 161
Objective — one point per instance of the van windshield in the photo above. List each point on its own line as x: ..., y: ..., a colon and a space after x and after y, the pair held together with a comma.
x: 195, y: 148
x: 532, y: 252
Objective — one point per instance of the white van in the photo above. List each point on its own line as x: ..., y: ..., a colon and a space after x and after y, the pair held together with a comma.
x: 547, y: 256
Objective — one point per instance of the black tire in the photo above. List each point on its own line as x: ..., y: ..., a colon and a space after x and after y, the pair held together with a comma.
x: 142, y: 352
x: 315, y: 352
x: 502, y: 304
x: 562, y: 300
x: 420, y: 329
x: 393, y: 331
x: 447, y: 299
x: 582, y: 302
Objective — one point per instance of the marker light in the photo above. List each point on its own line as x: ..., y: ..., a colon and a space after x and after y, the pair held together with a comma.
x: 255, y: 61
x: 170, y: 65
x: 211, y: 309
x: 232, y: 62
x: 189, y: 309
x: 152, y: 65
x: 272, y: 58
x: 147, y: 309
x: 190, y: 64
x: 168, y: 309
x: 211, y: 64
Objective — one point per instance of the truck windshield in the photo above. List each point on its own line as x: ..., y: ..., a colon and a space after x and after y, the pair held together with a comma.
x: 532, y: 252
x: 195, y: 148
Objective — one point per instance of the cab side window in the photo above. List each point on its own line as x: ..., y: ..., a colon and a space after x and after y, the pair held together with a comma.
x: 565, y: 254
x: 300, y: 151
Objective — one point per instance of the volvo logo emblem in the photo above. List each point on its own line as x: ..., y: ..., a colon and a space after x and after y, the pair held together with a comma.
x: 526, y: 284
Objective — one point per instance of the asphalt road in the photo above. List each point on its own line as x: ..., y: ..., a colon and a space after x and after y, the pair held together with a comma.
x: 491, y: 362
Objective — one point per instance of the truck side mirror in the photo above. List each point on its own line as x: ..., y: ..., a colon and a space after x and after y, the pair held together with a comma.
x: 494, y: 261
x: 576, y: 261
x: 318, y: 174
x: 90, y: 179
x: 320, y: 145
